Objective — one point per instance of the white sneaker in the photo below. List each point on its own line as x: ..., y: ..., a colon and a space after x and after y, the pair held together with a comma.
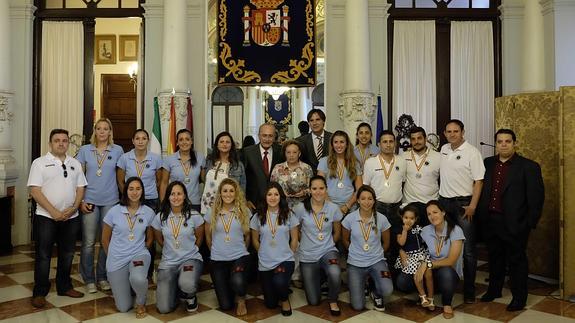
x: 91, y: 288
x: 104, y: 285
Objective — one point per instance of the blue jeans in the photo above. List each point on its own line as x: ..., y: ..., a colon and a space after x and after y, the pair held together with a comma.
x: 230, y: 279
x: 311, y: 272
x: 454, y: 208
x: 275, y: 283
x: 445, y: 280
x: 184, y: 277
x: 356, y: 277
x: 63, y: 233
x: 130, y: 277
x: 91, y: 232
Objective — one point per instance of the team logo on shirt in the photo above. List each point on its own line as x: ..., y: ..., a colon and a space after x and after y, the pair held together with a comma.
x: 147, y: 166
x: 109, y: 157
x: 186, y: 223
x: 141, y: 220
x: 72, y: 167
x: 426, y: 163
x: 458, y: 157
x: 326, y: 219
x: 396, y: 167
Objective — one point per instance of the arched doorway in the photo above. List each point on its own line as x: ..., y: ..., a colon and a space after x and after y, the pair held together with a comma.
x: 228, y: 112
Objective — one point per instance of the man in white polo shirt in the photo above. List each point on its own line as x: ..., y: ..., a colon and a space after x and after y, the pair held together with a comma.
x: 57, y: 185
x: 422, y: 175
x: 462, y: 173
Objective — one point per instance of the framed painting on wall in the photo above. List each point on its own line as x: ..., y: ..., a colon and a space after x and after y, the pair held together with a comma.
x: 105, y: 49
x: 129, y: 47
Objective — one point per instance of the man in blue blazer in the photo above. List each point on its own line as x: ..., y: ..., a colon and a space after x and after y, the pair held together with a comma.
x: 315, y: 144
x: 509, y: 208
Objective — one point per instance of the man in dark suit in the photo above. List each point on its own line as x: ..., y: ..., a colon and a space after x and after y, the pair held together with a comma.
x: 510, y: 206
x: 315, y: 144
x: 259, y: 160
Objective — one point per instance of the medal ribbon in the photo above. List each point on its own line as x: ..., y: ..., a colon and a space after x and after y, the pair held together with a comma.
x: 439, y: 245
x: 385, y: 171
x: 100, y: 161
x: 227, y: 224
x: 130, y: 222
x: 184, y: 168
x: 273, y: 227
x: 176, y: 228
x: 418, y: 167
x: 340, y: 169
x: 365, y: 229
x: 318, y: 222
x: 140, y: 170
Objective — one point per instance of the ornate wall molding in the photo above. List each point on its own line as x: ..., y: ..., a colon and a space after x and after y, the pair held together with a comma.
x: 357, y: 106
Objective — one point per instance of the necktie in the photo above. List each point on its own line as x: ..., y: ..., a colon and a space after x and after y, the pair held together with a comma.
x: 319, y: 148
x: 265, y: 163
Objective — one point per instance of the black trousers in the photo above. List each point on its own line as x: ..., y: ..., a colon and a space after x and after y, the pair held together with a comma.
x: 506, y: 250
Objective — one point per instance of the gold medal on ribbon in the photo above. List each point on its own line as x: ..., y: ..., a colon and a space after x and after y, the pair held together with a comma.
x: 100, y: 161
x: 387, y: 172
x: 439, y: 245
x: 273, y: 228
x: 418, y: 166
x: 363, y: 154
x: 318, y: 223
x: 366, y: 232
x: 140, y: 167
x: 340, y: 170
x: 131, y: 225
x: 176, y: 229
x: 227, y: 224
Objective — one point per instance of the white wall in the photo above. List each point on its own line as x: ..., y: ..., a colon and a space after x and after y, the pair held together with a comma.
x: 512, y: 44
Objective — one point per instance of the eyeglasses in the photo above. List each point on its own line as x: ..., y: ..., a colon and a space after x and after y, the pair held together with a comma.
x: 65, y: 171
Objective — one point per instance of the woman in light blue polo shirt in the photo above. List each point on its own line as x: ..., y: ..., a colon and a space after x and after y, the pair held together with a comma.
x: 445, y: 242
x: 364, y: 232
x: 342, y: 172
x: 228, y: 237
x: 274, y: 233
x: 320, y: 222
x: 184, y: 166
x: 363, y: 146
x: 125, y: 236
x: 98, y: 160
x: 180, y: 230
x: 144, y: 164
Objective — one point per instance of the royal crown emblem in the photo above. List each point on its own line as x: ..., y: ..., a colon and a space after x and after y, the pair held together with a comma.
x: 267, y: 23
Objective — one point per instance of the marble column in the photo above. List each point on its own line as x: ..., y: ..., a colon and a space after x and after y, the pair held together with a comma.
x: 559, y: 42
x: 356, y: 100
x: 533, y: 67
x: 8, y: 169
x: 174, y: 67
x: 253, y: 111
x: 512, y: 39
x: 303, y: 104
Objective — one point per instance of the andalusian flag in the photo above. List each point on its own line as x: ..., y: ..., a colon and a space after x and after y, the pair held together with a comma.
x: 172, y: 129
x: 156, y: 144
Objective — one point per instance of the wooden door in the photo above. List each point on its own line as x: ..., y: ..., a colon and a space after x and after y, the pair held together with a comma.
x: 118, y: 103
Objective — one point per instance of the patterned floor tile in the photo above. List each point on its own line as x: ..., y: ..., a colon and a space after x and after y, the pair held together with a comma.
x: 14, y: 292
x: 91, y: 309
x: 555, y: 306
x: 51, y: 315
x: 407, y: 309
x: 322, y: 311
x: 179, y: 313
x: 6, y: 281
x: 15, y: 259
x: 536, y: 316
x: 493, y: 311
x: 19, y: 307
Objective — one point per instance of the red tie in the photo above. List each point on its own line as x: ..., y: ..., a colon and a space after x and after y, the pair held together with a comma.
x: 266, y: 164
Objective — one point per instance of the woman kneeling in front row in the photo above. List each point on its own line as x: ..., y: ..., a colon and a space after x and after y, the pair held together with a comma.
x: 180, y: 230
x: 364, y: 231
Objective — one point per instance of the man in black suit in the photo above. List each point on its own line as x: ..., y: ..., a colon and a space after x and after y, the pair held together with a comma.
x: 510, y: 206
x: 316, y: 143
x: 259, y: 160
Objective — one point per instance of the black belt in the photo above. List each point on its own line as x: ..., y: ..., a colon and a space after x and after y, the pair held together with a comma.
x: 389, y: 205
x: 457, y: 198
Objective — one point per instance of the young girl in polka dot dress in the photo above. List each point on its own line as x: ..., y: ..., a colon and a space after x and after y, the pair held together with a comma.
x: 413, y: 252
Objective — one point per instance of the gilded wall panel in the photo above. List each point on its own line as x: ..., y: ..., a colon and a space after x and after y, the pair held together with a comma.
x: 504, y: 112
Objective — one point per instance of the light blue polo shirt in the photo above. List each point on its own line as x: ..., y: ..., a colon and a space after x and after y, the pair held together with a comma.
x: 269, y: 257
x: 311, y: 248
x: 174, y: 167
x: 372, y: 150
x: 102, y: 190
x: 121, y: 250
x: 357, y: 255
x: 336, y: 194
x: 432, y: 240
x: 172, y: 256
x: 230, y: 250
x: 153, y: 163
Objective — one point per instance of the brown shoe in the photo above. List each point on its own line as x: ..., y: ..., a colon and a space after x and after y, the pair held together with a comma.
x: 38, y: 301
x: 72, y: 293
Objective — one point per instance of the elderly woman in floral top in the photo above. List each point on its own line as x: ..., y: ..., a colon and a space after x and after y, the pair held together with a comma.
x: 293, y: 175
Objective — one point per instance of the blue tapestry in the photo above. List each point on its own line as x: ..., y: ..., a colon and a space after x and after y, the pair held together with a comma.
x: 278, y: 111
x: 266, y: 42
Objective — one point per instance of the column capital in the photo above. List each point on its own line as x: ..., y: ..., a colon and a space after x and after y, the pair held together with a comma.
x: 181, y: 109
x: 378, y: 9
x: 21, y: 11
x: 153, y: 9
x: 358, y: 106
x: 512, y: 9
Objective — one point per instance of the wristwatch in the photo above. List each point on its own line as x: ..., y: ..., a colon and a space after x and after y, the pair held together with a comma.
x: 429, y: 264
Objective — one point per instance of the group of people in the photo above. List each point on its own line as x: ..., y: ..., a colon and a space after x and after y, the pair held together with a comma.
x: 292, y: 212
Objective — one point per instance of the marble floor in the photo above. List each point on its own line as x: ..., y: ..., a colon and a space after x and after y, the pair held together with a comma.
x: 16, y: 282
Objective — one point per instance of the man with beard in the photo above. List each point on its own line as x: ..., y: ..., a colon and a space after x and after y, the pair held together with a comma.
x: 422, y: 176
